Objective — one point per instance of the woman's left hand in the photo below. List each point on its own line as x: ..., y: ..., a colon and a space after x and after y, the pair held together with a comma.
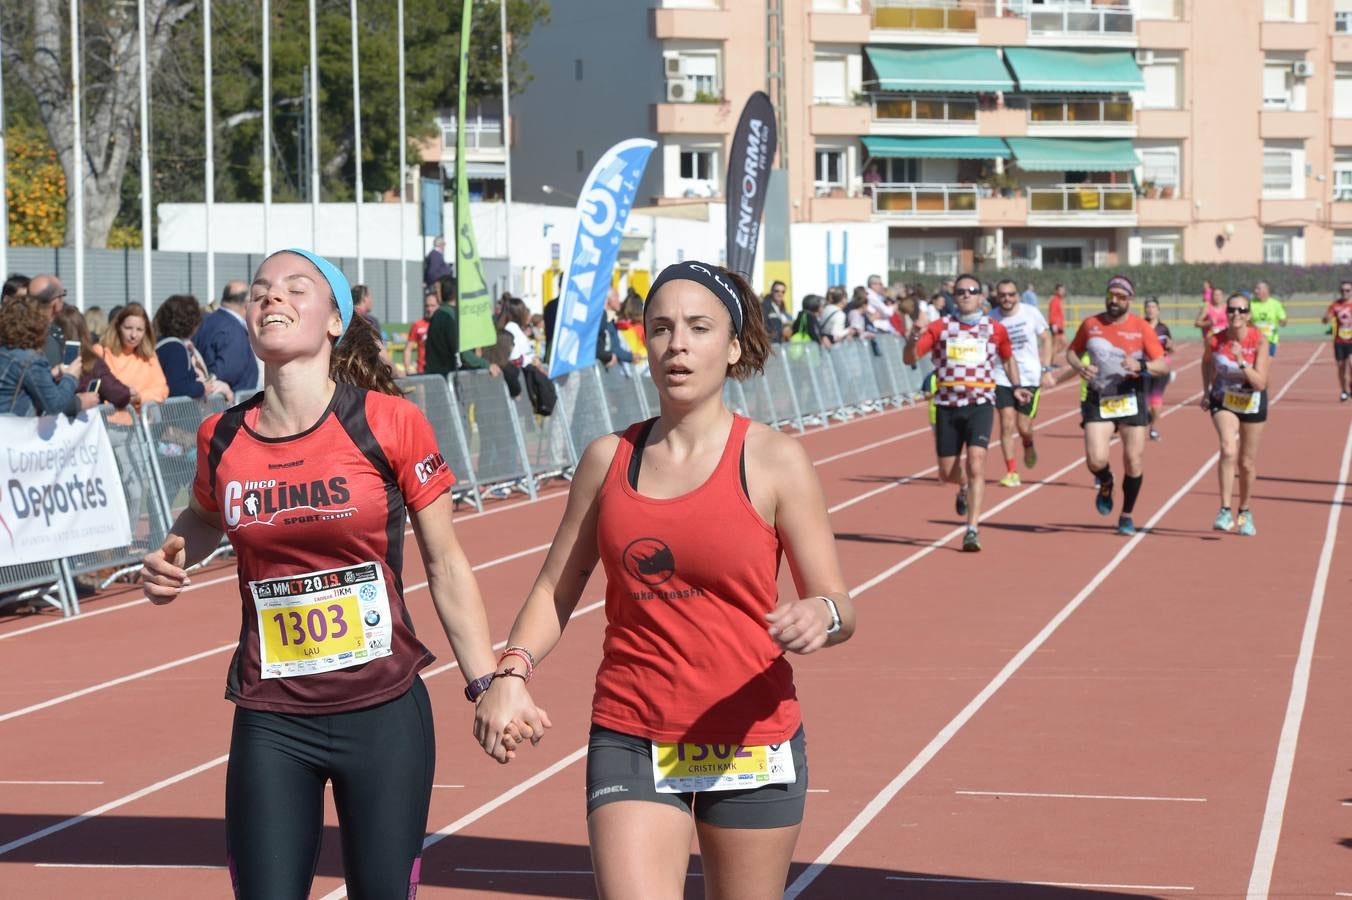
x: 799, y: 626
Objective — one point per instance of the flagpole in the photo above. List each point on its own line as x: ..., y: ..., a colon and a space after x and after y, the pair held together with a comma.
x: 267, y: 123
x: 147, y: 225
x: 4, y: 193
x: 403, y: 176
x: 356, y: 130
x: 77, y: 153
x: 314, y: 131
x: 507, y: 146
x: 209, y: 176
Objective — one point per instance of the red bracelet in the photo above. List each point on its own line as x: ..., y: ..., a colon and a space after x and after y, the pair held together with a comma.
x: 523, y: 655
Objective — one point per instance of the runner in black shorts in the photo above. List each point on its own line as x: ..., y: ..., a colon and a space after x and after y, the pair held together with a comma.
x: 1234, y: 391
x: 1339, y: 314
x: 1121, y: 347
x: 313, y: 479
x: 966, y: 349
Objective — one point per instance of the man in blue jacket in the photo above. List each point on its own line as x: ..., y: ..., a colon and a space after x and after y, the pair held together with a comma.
x: 223, y: 341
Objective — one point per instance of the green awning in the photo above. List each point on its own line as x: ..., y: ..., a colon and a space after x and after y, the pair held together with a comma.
x: 936, y: 148
x: 1072, y: 154
x: 1075, y: 71
x: 967, y: 70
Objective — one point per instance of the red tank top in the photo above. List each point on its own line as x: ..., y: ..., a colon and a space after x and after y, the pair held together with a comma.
x: 687, y: 653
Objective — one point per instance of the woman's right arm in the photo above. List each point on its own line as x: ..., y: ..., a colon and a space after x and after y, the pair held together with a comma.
x: 50, y: 396
x: 539, y: 625
x: 194, y: 535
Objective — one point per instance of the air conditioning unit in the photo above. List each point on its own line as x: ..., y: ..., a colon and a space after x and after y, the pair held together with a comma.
x: 1302, y: 69
x: 680, y: 90
x: 1145, y: 57
x: 674, y: 65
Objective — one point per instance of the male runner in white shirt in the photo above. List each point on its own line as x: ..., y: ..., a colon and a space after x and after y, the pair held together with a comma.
x: 1032, y: 343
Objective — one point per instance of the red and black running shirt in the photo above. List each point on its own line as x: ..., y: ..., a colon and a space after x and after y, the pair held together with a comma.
x: 333, y: 496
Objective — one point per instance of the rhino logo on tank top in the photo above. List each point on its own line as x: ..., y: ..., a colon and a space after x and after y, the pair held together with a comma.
x: 649, y: 560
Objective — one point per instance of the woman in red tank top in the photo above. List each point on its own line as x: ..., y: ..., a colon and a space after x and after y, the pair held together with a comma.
x: 1234, y: 391
x: 695, y: 722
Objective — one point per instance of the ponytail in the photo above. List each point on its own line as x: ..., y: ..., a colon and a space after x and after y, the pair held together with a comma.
x: 356, y: 359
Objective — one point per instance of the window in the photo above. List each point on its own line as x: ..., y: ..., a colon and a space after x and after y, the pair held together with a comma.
x: 1342, y: 92
x: 1157, y: 9
x: 1159, y: 249
x: 897, y: 171
x: 1161, y: 82
x: 1276, y: 84
x: 1342, y: 174
x: 1277, y: 248
x: 697, y: 164
x: 577, y: 70
x: 1342, y: 16
x: 1160, y: 166
x: 830, y: 168
x: 1282, y: 165
x: 1342, y: 248
x: 1280, y: 10
x: 829, y: 79
x: 702, y: 69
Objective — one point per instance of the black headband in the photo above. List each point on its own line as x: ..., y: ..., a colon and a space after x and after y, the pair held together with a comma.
x: 711, y: 278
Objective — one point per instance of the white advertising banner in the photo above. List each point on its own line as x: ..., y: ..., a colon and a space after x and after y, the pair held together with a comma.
x: 61, y: 492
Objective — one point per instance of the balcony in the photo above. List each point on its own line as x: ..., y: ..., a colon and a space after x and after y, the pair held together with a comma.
x: 1297, y: 36
x: 839, y: 208
x: 838, y: 27
x: 927, y: 21
x: 1082, y: 204
x: 1081, y: 116
x: 830, y: 118
x: 694, y: 24
x: 1163, y: 123
x: 1003, y: 122
x: 1101, y: 24
x: 928, y: 115
x: 1340, y: 210
x: 1281, y: 211
x: 1163, y: 211
x: 1277, y: 123
x: 1340, y: 132
x: 693, y: 118
x: 936, y: 203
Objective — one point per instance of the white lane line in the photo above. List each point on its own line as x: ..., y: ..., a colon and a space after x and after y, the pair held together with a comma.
x: 1079, y: 796
x: 121, y: 866
x: 1260, y: 878
x: 448, y: 785
x: 110, y: 805
x: 588, y: 872
x: 144, y: 673
x: 819, y: 790
x: 996, y: 882
x: 880, y: 801
x: 51, y: 782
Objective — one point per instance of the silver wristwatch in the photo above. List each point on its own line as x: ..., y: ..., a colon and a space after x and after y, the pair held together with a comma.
x: 835, y: 615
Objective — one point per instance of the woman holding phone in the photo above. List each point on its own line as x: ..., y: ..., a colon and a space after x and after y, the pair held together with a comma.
x: 97, y: 377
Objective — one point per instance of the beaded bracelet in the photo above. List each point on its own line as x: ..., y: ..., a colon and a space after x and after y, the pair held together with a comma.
x: 523, y: 655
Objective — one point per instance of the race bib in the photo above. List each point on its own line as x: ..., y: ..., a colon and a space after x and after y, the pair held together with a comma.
x: 1118, y: 407
x: 966, y: 352
x: 321, y: 621
x: 1345, y: 332
x: 1267, y: 328
x: 1244, y: 403
x: 682, y: 768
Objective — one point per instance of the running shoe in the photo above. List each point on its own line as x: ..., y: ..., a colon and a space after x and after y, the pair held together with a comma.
x: 1342, y: 398
x: 970, y: 542
x: 1030, y: 456
x: 1224, y: 520
x: 1154, y: 435
x: 1104, y: 501
x: 1246, y: 526
x: 960, y: 502
x: 1125, y: 526
x: 1010, y: 480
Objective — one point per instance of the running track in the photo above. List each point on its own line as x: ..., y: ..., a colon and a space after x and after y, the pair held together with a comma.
x: 1069, y: 714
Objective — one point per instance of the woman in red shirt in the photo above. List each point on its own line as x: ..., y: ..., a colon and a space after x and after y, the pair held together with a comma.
x: 312, y: 480
x: 694, y: 700
x: 1234, y: 391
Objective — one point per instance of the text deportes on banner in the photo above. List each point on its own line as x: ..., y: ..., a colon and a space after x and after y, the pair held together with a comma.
x: 602, y: 210
x: 753, y: 149
x: 62, y: 495
x: 475, y: 304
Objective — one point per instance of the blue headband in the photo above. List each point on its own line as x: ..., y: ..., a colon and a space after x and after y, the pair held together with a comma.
x: 713, y: 279
x: 338, y: 284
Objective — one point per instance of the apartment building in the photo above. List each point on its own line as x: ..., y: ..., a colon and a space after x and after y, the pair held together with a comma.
x: 981, y: 132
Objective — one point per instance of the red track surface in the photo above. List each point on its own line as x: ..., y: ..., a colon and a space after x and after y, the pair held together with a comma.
x: 1146, y: 682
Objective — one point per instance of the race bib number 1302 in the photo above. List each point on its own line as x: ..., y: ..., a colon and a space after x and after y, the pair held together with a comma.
x: 321, y: 621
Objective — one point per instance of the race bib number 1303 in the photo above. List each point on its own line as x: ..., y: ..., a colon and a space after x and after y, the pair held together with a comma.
x: 321, y: 621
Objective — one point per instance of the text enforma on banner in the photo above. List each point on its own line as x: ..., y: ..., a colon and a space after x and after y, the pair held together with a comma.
x: 753, y: 149
x: 603, y: 209
x: 62, y: 494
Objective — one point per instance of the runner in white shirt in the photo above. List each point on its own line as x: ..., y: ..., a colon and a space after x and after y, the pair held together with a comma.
x: 1032, y: 343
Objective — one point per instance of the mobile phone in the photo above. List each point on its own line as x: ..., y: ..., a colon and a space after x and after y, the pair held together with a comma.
x: 93, y: 386
x: 71, y: 354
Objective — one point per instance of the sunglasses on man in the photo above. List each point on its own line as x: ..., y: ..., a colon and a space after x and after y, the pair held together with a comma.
x: 968, y: 292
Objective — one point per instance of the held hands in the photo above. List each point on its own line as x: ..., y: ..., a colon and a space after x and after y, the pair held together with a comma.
x: 506, y: 717
x: 163, y: 574
x: 799, y: 626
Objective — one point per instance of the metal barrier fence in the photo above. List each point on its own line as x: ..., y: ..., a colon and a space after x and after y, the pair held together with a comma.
x: 495, y: 445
